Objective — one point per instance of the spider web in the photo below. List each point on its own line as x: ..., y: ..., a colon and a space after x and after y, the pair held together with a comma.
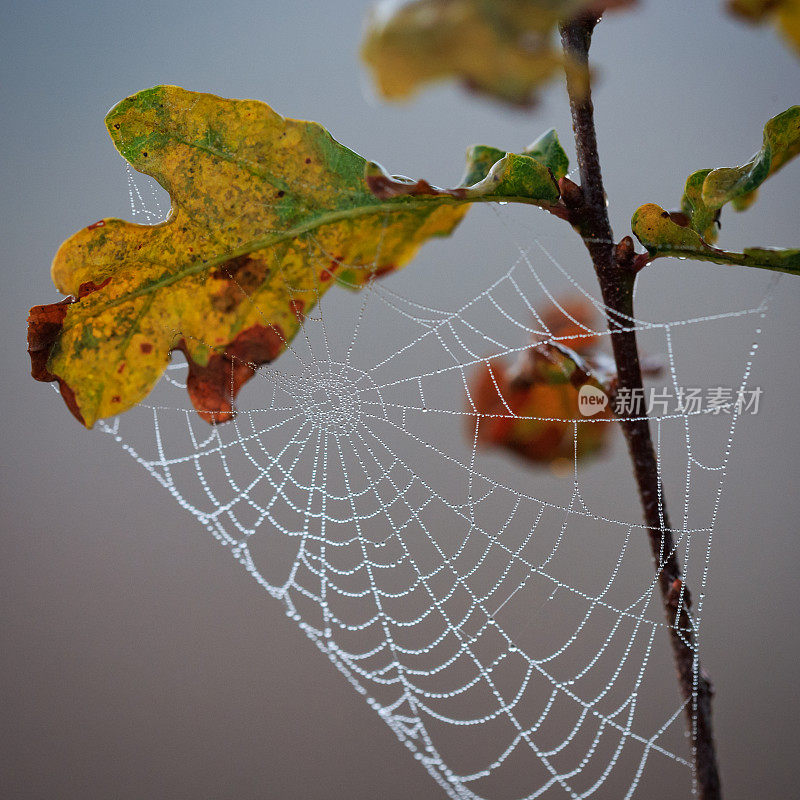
x: 505, y: 623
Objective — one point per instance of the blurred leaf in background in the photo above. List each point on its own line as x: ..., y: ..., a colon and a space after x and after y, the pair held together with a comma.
x: 503, y: 49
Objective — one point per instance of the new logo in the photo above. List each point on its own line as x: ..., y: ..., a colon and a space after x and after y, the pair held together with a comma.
x: 591, y: 400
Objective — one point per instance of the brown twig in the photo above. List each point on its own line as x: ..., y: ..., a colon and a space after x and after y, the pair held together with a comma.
x: 616, y: 267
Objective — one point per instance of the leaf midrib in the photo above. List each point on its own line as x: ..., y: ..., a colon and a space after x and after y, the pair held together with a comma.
x: 264, y: 242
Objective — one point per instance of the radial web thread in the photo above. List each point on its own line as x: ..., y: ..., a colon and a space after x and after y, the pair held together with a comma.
x: 505, y: 623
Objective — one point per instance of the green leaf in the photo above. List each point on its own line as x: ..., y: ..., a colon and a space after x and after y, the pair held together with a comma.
x: 267, y: 214
x: 499, y: 48
x: 702, y: 218
x: 513, y: 177
x: 708, y: 190
x: 781, y: 144
x: 691, y: 232
x: 549, y: 151
x: 480, y: 159
x: 662, y: 236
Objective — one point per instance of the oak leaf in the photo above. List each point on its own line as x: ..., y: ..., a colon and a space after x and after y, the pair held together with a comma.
x: 500, y: 48
x: 528, y: 406
x: 691, y: 232
x: 708, y: 190
x: 267, y: 213
x: 656, y: 229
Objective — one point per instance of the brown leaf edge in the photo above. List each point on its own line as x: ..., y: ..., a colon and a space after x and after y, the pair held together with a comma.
x: 231, y: 368
x: 44, y: 328
x: 212, y: 388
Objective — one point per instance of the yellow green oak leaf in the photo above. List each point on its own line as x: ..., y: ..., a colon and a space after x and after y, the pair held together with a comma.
x: 700, y: 217
x: 500, y: 48
x: 691, y: 232
x: 785, y: 14
x: 267, y: 214
x: 658, y: 231
x: 708, y: 190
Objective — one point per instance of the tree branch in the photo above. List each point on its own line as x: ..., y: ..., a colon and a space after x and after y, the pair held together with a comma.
x: 616, y: 268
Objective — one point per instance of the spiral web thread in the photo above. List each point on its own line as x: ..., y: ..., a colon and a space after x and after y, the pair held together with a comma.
x: 506, y: 637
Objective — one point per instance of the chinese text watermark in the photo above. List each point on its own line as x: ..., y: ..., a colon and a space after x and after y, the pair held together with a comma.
x: 666, y: 401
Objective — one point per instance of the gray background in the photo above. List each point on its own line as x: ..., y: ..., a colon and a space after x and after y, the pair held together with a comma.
x: 138, y: 662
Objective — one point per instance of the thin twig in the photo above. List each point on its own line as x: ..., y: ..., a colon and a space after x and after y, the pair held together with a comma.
x: 616, y: 268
